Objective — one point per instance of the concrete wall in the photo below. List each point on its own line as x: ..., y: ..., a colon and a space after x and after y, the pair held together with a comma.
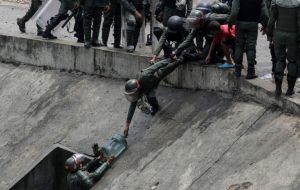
x: 118, y: 64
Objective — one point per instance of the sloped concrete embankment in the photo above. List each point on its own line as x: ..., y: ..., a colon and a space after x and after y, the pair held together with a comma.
x: 199, y: 140
x: 113, y: 63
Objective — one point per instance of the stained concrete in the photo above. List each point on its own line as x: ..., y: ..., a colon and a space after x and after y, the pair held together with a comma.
x: 199, y: 140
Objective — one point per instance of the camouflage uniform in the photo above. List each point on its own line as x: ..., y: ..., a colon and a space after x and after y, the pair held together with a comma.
x: 285, y: 14
x: 246, y: 14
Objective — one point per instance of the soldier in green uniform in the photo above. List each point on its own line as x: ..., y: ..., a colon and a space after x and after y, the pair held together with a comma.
x: 141, y: 93
x: 93, y: 10
x: 65, y: 6
x: 284, y: 31
x: 246, y: 14
x: 35, y: 4
x: 112, y: 16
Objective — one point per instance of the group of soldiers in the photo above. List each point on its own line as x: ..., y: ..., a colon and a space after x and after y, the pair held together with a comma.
x: 89, y: 15
x: 280, y: 20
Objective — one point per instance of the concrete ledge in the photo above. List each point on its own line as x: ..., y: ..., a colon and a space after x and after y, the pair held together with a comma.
x: 113, y: 63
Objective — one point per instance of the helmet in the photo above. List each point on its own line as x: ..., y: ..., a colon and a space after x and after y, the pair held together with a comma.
x: 220, y: 8
x: 132, y: 90
x: 175, y: 23
x: 204, y: 7
x: 73, y: 163
x: 195, y: 19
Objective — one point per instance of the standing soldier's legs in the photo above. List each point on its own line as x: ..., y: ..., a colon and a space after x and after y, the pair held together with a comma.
x: 108, y: 20
x: 97, y: 15
x: 239, y: 50
x: 35, y: 4
x: 131, y: 25
x: 117, y: 26
x: 87, y: 26
x: 280, y: 52
x: 136, y: 34
x: 251, y: 51
x: 292, y: 68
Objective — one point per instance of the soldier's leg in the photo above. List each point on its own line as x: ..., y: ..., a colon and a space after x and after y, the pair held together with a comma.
x: 117, y: 26
x: 35, y: 4
x: 251, y: 41
x: 239, y: 50
x: 131, y: 23
x: 280, y: 52
x: 137, y: 30
x: 97, y: 15
x: 169, y: 68
x: 87, y: 26
x: 273, y: 57
x: 292, y: 67
x: 108, y: 19
x: 54, y: 21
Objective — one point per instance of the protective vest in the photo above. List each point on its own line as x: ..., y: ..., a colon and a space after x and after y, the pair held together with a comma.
x: 250, y: 10
x: 287, y: 19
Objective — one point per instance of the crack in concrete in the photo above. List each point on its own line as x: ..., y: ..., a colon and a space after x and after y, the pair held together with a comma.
x: 228, y: 149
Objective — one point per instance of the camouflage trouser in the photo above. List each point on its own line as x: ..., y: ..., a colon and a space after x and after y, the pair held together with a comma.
x: 246, y: 38
x: 113, y: 16
x: 285, y: 51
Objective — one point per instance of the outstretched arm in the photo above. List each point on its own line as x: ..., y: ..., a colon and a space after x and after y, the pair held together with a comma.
x: 129, y: 117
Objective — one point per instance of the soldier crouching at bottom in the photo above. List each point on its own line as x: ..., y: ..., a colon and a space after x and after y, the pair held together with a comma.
x: 82, y: 177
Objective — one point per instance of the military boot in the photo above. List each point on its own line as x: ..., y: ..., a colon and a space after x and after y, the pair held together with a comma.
x: 21, y: 24
x: 278, y: 82
x: 291, y: 84
x: 251, y: 72
x: 51, y: 25
x: 238, y: 70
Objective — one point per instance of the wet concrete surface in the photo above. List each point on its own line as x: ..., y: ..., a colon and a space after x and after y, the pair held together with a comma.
x: 199, y: 140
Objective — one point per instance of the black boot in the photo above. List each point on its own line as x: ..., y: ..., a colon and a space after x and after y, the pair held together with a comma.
x: 52, y: 24
x: 251, y: 72
x: 291, y: 84
x: 278, y: 82
x: 21, y: 25
x: 155, y: 106
x: 238, y: 70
